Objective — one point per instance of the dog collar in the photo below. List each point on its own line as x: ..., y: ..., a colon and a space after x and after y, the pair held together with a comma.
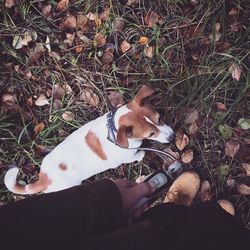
x: 111, y: 126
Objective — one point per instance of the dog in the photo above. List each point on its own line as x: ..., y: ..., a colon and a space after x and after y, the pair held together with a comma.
x: 101, y: 144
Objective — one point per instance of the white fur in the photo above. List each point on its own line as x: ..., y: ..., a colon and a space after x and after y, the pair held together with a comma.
x: 81, y: 161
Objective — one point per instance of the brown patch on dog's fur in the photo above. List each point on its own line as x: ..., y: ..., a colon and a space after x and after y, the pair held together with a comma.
x: 95, y: 145
x: 40, y: 185
x: 63, y: 166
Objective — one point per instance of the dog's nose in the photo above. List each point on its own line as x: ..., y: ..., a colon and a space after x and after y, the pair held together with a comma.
x: 171, y: 137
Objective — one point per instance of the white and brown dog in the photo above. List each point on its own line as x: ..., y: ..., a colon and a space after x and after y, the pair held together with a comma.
x: 99, y: 145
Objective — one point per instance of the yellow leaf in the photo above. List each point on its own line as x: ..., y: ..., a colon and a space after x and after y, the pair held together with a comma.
x: 143, y: 40
x: 125, y: 46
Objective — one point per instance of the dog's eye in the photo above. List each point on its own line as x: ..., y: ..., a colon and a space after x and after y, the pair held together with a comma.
x: 152, y: 134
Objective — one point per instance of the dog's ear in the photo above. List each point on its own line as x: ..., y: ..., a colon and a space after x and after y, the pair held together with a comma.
x: 144, y: 91
x: 123, y: 134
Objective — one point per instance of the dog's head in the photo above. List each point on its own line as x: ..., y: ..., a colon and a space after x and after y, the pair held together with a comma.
x: 140, y: 121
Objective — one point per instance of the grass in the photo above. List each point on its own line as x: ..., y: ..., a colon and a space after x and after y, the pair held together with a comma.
x: 188, y: 70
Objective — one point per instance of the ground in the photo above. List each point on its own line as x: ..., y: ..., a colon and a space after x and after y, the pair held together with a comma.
x: 64, y: 63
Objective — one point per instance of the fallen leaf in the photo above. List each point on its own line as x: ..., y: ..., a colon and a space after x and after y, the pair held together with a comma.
x: 9, y: 3
x: 107, y: 57
x: 243, y: 189
x: 235, y: 71
x: 181, y: 140
x: 81, y: 21
x: 46, y: 10
x: 246, y: 167
x: 115, y: 98
x: 68, y: 90
x: 9, y: 102
x: 149, y: 51
x: 58, y: 92
x: 36, y: 53
x: 233, y: 12
x: 191, y: 117
x: 105, y: 15
x: 193, y: 128
x: 47, y: 44
x: 57, y: 104
x: 90, y: 97
x: 244, y: 123
x: 99, y: 40
x: 231, y: 148
x: 118, y: 24
x: 220, y: 106
x: 187, y: 156
x: 151, y: 19
x: 69, y: 23
x: 91, y: 16
x: 225, y: 131
x: 216, y: 36
x: 39, y: 128
x: 205, y: 191
x: 125, y: 46
x: 132, y: 2
x: 24, y: 39
x: 143, y: 40
x: 70, y: 39
x: 62, y: 5
x: 68, y: 116
x: 41, y: 100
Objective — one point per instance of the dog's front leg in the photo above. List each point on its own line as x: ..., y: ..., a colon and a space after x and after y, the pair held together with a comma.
x: 138, y: 156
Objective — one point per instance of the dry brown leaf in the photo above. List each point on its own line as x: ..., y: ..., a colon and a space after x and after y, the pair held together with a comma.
x: 151, y: 19
x: 41, y: 100
x: 181, y: 140
x: 220, y: 106
x: 132, y: 2
x: 91, y: 16
x: 149, y: 51
x: 58, y: 92
x: 62, y: 5
x: 231, y: 148
x: 81, y: 21
x: 39, y: 128
x: 46, y: 10
x: 246, y: 167
x: 9, y: 3
x: 24, y: 39
x: 69, y: 23
x: 70, y: 39
x: 37, y: 52
x: 191, y: 117
x: 143, y: 40
x: 187, y: 156
x: 235, y: 71
x: 57, y: 104
x: 68, y: 116
x: 125, y: 46
x: 243, y: 189
x: 68, y: 90
x: 193, y: 128
x: 99, y: 40
x: 115, y: 98
x: 107, y: 57
x: 105, y: 15
x: 118, y: 24
x: 233, y: 12
x: 205, y: 191
x: 90, y: 97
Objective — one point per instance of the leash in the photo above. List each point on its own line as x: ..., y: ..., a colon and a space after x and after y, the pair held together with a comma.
x: 112, y: 138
